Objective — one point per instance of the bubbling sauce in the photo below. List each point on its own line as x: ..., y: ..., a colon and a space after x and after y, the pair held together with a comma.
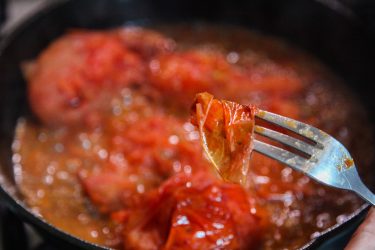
x: 128, y: 155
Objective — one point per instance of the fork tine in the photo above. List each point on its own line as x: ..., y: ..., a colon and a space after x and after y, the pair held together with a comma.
x: 330, y: 162
x: 298, y: 127
x: 286, y: 140
x: 288, y: 158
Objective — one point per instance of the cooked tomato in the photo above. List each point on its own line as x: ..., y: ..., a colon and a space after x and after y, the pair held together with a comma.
x: 194, y: 212
x: 226, y: 130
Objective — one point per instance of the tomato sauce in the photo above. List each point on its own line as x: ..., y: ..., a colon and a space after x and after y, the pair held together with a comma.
x: 111, y: 157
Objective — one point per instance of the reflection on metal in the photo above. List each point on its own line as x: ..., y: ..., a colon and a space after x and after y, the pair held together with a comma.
x: 338, y: 7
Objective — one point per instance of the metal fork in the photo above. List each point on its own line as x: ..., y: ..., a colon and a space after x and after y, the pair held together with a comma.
x: 325, y: 159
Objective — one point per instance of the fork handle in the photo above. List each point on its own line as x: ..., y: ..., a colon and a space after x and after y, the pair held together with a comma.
x: 364, y: 192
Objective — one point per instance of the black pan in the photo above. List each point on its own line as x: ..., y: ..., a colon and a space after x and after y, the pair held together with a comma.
x: 334, y: 33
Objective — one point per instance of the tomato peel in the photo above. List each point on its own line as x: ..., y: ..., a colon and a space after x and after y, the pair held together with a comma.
x: 226, y: 129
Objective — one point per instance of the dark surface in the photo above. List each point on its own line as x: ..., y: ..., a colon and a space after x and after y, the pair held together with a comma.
x: 12, y: 229
x: 2, y: 11
x: 340, y: 39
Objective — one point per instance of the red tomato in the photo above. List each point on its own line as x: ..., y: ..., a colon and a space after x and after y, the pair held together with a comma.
x: 193, y: 212
x: 72, y: 80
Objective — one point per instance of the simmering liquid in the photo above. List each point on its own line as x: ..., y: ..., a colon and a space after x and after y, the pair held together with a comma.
x: 83, y: 178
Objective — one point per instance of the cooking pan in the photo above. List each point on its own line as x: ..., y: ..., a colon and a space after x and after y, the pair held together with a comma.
x: 334, y: 33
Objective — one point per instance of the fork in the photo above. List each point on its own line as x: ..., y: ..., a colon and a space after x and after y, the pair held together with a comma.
x: 325, y: 159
